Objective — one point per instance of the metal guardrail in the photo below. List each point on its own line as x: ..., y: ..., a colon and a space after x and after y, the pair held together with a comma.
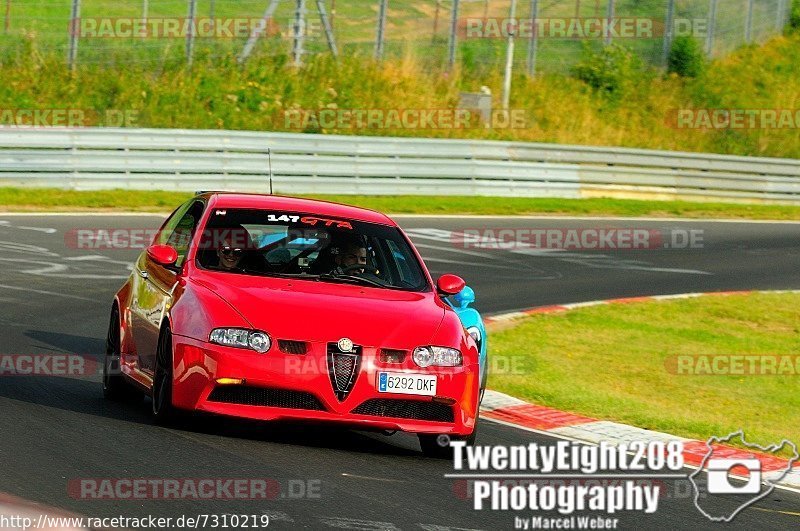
x: 187, y: 160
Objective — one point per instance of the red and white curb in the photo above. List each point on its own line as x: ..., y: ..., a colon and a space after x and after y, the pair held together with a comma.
x: 560, y: 308
x: 512, y: 411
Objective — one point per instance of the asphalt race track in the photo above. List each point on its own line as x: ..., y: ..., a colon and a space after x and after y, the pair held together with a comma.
x: 55, y: 298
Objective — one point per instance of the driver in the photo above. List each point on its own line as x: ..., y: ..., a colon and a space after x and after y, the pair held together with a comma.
x: 351, y: 255
x: 229, y: 255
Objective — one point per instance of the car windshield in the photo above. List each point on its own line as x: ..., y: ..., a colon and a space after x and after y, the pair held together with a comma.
x: 281, y: 244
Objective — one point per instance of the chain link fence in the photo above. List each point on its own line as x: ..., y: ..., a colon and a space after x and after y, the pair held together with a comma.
x: 547, y: 35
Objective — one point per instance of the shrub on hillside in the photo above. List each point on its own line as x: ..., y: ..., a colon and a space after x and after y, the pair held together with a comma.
x: 610, y: 70
x: 794, y: 17
x: 686, y: 57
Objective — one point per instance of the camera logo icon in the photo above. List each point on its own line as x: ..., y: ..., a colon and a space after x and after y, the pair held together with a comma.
x: 720, y: 470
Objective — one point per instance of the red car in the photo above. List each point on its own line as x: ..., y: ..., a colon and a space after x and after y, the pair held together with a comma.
x: 269, y: 308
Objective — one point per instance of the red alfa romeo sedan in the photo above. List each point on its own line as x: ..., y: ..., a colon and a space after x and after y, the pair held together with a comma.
x: 267, y: 308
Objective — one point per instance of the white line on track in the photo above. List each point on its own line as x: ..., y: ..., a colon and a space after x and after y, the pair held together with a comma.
x: 43, y: 292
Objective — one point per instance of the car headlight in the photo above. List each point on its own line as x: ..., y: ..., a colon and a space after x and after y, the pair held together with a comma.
x: 438, y: 356
x: 241, y: 338
x: 475, y: 333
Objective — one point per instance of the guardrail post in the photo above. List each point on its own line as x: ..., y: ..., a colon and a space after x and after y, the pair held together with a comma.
x: 74, y: 33
x: 610, y: 17
x: 509, y: 57
x: 669, y: 29
x: 533, y: 43
x: 299, y: 29
x: 712, y: 22
x: 190, y: 36
x: 451, y: 61
x: 258, y: 31
x: 380, y: 32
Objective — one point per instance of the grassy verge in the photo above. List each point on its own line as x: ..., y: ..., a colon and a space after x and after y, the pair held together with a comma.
x: 218, y: 93
x: 619, y: 363
x: 27, y: 199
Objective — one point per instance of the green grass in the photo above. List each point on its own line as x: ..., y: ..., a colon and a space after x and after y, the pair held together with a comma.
x: 610, y: 362
x: 30, y: 199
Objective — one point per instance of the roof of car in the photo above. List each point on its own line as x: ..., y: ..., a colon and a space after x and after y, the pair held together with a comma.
x: 297, y: 205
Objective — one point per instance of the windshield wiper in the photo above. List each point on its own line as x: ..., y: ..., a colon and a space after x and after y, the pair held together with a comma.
x: 351, y: 278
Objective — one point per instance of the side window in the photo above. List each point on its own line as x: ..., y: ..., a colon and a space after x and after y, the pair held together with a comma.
x: 179, y: 229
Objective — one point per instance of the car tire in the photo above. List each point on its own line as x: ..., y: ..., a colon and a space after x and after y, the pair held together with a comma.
x: 114, y: 385
x: 164, y: 413
x: 438, y: 446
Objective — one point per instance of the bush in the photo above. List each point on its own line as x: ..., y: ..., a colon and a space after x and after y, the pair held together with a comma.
x: 686, y: 57
x: 610, y: 70
x: 794, y: 17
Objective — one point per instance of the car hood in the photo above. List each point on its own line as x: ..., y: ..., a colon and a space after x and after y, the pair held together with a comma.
x: 322, y: 311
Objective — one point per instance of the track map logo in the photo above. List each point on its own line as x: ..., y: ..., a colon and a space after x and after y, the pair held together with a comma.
x: 739, y: 481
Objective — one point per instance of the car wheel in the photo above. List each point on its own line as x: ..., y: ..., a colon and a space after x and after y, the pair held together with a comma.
x: 163, y: 410
x: 114, y: 385
x: 438, y: 446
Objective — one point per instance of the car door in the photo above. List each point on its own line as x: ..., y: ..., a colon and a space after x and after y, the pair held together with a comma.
x: 154, y: 283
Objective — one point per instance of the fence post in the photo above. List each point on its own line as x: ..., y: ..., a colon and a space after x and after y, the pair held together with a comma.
x: 533, y: 42
x: 74, y: 29
x: 781, y: 13
x: 669, y: 29
x: 510, y: 57
x: 748, y: 24
x: 145, y: 15
x: 258, y: 31
x: 610, y: 17
x: 326, y: 24
x: 299, y: 32
x: 712, y: 22
x: 380, y: 32
x: 7, y: 21
x: 436, y: 19
x: 190, y: 35
x: 451, y: 61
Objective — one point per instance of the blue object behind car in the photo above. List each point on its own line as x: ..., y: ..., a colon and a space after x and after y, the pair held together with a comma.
x: 473, y: 322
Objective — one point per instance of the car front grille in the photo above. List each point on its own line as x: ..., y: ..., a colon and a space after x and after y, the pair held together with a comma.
x: 406, y: 409
x: 343, y: 368
x: 263, y: 396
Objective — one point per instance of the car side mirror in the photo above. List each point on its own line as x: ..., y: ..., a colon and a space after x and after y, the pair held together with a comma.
x: 464, y: 298
x: 450, y: 284
x: 163, y: 255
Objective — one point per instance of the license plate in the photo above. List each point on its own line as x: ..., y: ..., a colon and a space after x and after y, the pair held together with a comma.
x: 406, y: 384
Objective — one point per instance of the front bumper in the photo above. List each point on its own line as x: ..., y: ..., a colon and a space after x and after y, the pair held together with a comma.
x: 198, y: 366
